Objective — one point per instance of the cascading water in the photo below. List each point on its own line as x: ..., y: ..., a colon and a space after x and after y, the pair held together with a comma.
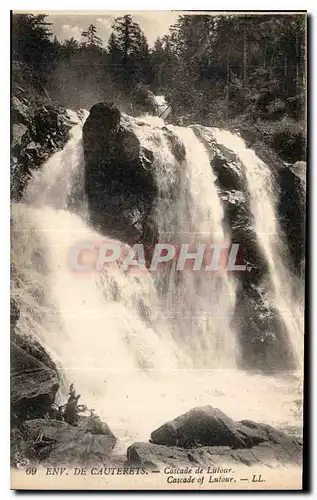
x: 106, y: 331
x: 263, y: 197
x: 199, y: 304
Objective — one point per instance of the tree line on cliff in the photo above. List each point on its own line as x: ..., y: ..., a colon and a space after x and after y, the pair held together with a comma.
x: 215, y: 67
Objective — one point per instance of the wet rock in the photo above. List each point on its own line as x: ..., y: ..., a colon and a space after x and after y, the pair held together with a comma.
x: 59, y: 443
x: 272, y: 435
x: 33, y: 385
x: 20, y: 110
x: 177, y: 147
x: 18, y: 131
x: 205, y: 426
x: 14, y: 314
x: 32, y: 347
x: 292, y: 211
x: 143, y: 100
x: 121, y: 174
x: 299, y: 168
x: 119, y: 179
x: 206, y: 436
x: 154, y: 455
x: 229, y: 176
x: 94, y: 425
x: 265, y: 454
x: 39, y: 128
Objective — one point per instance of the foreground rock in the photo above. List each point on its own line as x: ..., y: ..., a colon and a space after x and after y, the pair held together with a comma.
x: 265, y: 454
x: 207, y: 426
x: 42, y: 431
x: 33, y: 385
x: 54, y: 442
x: 206, y: 436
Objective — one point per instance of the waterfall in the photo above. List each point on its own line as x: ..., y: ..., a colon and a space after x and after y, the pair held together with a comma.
x: 199, y: 304
x: 141, y: 349
x: 263, y: 197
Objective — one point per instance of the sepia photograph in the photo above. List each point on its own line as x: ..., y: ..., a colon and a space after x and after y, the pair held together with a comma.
x: 157, y: 261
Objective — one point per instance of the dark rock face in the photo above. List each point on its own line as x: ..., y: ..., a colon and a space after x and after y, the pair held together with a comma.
x: 206, y: 436
x: 89, y: 443
x: 33, y: 385
x: 94, y: 425
x: 119, y: 180
x: 120, y: 176
x: 292, y: 214
x: 41, y: 430
x: 38, y: 130
x: 32, y: 347
x: 205, y: 426
x: 143, y: 101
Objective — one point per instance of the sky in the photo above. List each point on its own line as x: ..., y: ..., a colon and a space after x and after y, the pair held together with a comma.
x: 153, y: 24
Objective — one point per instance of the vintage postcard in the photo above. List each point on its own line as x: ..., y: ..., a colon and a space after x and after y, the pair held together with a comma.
x: 158, y: 190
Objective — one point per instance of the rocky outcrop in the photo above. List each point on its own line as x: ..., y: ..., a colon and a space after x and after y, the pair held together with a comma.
x: 42, y: 431
x: 266, y: 454
x: 54, y: 442
x: 120, y: 179
x: 206, y: 426
x: 143, y: 101
x: 32, y: 346
x: 292, y: 210
x: 33, y: 385
x: 39, y: 128
x: 206, y: 436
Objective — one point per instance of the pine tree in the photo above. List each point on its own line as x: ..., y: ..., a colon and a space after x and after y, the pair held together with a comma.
x: 32, y: 46
x: 128, y: 50
x: 92, y: 40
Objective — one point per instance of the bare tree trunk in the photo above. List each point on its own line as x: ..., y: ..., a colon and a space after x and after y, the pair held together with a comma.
x: 285, y: 72
x: 245, y: 57
x: 126, y: 47
x: 245, y: 64
x: 228, y: 81
x: 297, y: 63
x: 265, y: 52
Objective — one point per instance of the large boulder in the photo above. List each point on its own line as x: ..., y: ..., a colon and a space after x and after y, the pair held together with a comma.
x: 120, y: 181
x: 58, y: 443
x: 33, y: 385
x: 122, y: 162
x: 205, y: 426
x: 206, y: 436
